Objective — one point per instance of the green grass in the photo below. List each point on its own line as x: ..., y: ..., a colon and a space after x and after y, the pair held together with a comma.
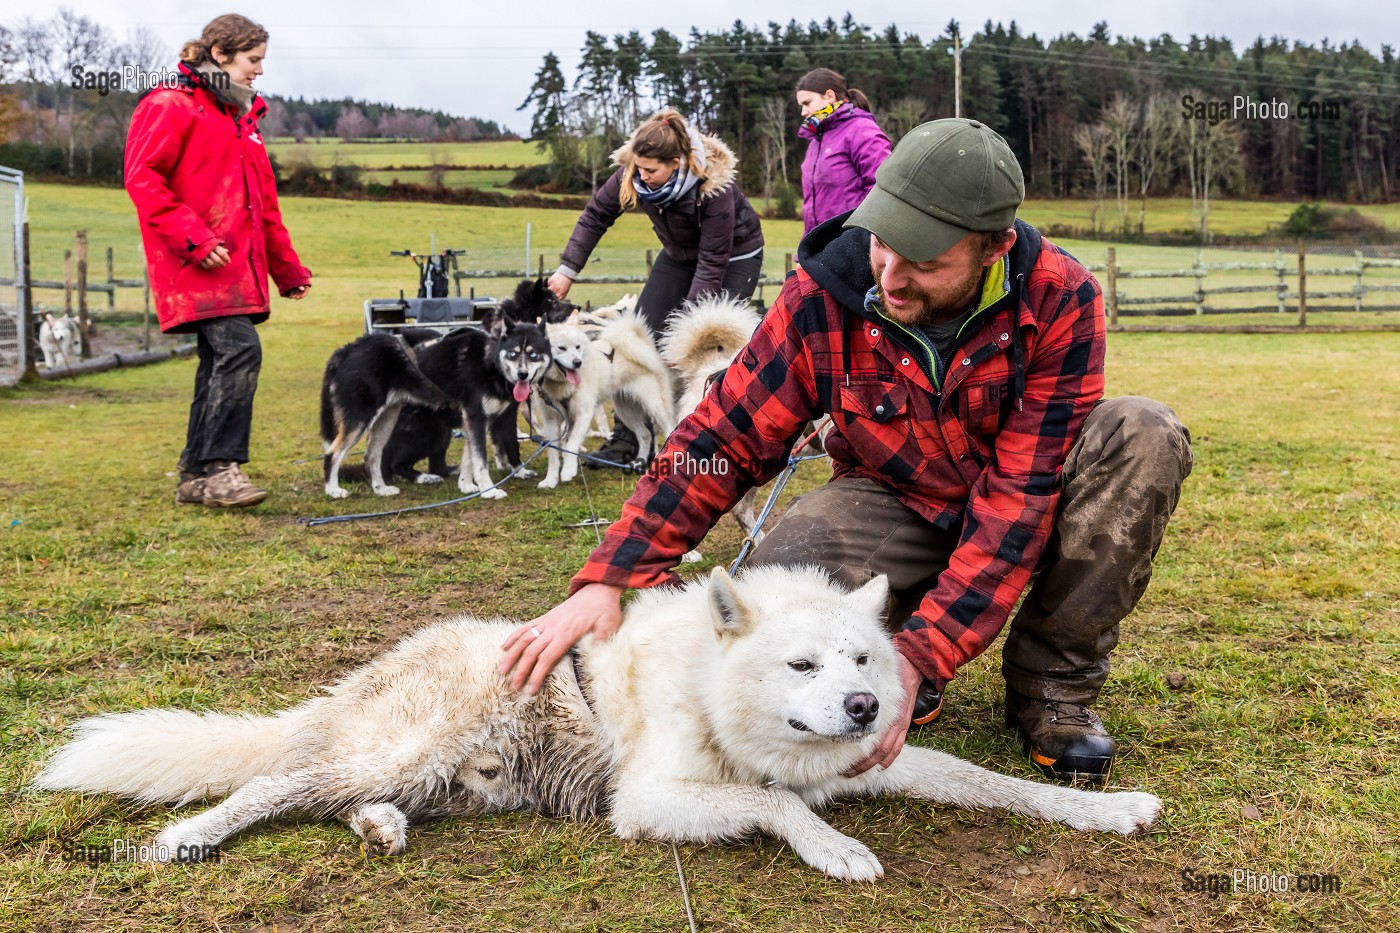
x: 1173, y: 215
x: 374, y: 155
x: 1274, y: 597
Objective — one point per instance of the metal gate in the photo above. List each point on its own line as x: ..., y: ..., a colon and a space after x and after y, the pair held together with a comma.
x: 14, y: 348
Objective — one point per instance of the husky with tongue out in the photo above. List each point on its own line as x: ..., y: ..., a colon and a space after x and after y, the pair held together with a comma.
x: 482, y: 375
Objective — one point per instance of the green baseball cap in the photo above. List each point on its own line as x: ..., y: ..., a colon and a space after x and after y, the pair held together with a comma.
x: 943, y: 180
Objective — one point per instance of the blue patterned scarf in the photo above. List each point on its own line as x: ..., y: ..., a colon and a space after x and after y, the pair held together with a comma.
x: 682, y: 180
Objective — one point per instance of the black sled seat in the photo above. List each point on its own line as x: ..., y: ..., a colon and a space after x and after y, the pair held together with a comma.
x: 393, y: 314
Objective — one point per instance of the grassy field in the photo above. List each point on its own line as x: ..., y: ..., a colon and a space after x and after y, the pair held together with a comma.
x: 1274, y: 600
x: 373, y: 155
x: 357, y: 237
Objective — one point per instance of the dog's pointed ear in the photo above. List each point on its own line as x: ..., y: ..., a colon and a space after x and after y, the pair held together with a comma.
x: 494, y: 322
x: 730, y: 616
x: 873, y: 599
x: 556, y: 311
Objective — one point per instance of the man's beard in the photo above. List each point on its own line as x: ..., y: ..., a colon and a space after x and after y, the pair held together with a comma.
x: 929, y: 307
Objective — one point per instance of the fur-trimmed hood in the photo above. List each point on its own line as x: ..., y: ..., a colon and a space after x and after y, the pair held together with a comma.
x: 721, y: 166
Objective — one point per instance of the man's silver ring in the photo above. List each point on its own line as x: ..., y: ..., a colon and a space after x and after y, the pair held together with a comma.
x: 535, y: 632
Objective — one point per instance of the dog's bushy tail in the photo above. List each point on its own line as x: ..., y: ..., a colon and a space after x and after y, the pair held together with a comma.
x: 168, y: 756
x: 628, y: 335
x: 715, y: 322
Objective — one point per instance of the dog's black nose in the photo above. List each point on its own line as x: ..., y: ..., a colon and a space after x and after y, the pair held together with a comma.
x: 862, y: 707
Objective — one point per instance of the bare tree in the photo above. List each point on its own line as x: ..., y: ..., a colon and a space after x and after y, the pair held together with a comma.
x: 1213, y: 155
x: 35, y: 44
x: 1120, y: 119
x: 1158, y: 134
x: 772, y: 131
x: 902, y: 116
x: 1093, y: 142
x: 79, y: 43
x: 145, y: 50
x: 352, y: 124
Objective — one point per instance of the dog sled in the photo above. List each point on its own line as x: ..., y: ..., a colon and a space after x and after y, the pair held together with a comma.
x: 433, y: 306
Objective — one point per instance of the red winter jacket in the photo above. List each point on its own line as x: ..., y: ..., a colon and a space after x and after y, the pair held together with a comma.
x: 974, y: 443
x: 200, y: 177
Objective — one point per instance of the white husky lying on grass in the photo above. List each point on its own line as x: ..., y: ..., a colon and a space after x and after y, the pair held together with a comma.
x: 720, y: 709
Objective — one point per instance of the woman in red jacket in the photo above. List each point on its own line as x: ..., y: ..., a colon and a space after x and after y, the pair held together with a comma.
x: 206, y: 200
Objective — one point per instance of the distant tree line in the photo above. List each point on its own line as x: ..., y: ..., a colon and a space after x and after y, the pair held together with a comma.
x: 49, y: 128
x: 1099, y: 115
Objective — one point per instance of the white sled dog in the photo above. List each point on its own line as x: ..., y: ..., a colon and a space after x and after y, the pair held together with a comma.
x: 639, y: 385
x: 59, y: 339
x: 621, y: 366
x: 720, y: 709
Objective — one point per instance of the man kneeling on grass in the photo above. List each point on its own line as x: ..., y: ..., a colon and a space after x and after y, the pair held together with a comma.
x: 960, y: 355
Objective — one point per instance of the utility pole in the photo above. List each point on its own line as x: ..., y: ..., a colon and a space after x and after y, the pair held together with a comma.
x: 956, y: 52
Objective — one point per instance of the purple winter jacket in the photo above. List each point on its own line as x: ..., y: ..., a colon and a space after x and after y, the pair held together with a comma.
x: 839, y: 168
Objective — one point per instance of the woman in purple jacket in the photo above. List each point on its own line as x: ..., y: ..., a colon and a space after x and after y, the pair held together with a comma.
x: 846, y: 146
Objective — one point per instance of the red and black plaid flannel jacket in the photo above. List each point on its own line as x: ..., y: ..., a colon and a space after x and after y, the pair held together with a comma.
x: 977, y: 444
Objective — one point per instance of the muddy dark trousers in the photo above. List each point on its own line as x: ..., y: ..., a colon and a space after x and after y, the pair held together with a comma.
x: 221, y: 415
x: 1120, y: 485
x: 669, y: 283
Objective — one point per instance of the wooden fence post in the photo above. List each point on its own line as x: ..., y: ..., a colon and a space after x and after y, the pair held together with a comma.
x: 146, y: 309
x: 84, y: 323
x: 787, y: 264
x: 650, y: 258
x: 1302, y: 286
x: 1199, y: 270
x: 1112, y: 286
x: 111, y: 279
x: 1360, y: 286
x: 1282, y: 285
x: 30, y: 349
x: 67, y: 281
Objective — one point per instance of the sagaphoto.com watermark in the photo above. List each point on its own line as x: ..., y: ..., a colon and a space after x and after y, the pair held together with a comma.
x: 131, y: 78
x: 1249, y: 881
x: 119, y: 851
x: 1244, y: 107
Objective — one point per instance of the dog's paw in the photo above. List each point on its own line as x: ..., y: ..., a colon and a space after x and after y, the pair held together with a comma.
x: 692, y: 557
x: 428, y: 479
x: 383, y: 827
x: 386, y: 490
x: 465, y: 486
x: 1124, y: 813
x: 848, y: 860
x: 524, y: 473
x: 547, y: 483
x: 497, y: 493
x: 335, y: 492
x: 178, y: 843
x: 570, y: 470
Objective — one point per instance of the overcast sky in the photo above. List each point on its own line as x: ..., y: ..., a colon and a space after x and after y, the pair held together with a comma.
x: 478, y: 58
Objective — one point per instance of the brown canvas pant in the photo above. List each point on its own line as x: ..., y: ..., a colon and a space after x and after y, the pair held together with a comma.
x: 1120, y: 485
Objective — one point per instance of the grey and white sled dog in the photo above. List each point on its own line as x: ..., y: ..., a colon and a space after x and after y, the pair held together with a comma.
x: 59, y: 340
x: 620, y: 365
x: 724, y: 708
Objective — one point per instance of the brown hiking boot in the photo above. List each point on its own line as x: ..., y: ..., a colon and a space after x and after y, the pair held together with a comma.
x: 191, y: 489
x: 1066, y: 741
x: 225, y: 486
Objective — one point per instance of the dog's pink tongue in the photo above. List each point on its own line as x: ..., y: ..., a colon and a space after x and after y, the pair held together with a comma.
x: 522, y: 391
x: 572, y: 376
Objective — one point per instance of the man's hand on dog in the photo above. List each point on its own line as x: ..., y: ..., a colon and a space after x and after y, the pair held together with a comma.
x: 532, y: 650
x: 888, y: 748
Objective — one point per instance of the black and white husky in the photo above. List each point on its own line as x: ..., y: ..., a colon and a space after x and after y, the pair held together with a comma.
x: 483, y: 375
